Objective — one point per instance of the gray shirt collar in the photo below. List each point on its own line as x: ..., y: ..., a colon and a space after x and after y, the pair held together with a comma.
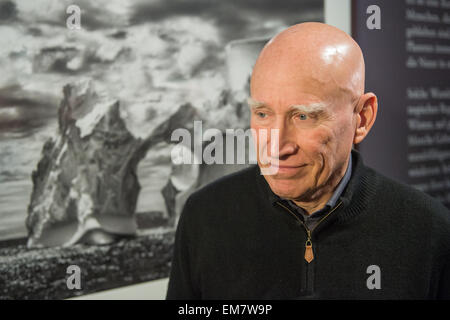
x: 341, y: 186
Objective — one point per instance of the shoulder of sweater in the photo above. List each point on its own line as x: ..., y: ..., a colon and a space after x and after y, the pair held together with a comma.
x: 410, y: 200
x: 403, y: 207
x: 215, y: 202
x: 234, y: 184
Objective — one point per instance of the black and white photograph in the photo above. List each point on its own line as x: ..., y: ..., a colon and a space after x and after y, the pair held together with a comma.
x: 90, y: 95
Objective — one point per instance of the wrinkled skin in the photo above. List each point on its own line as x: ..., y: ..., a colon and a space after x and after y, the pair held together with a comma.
x: 310, y: 64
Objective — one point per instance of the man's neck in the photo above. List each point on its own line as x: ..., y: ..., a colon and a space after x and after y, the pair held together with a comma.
x: 312, y: 206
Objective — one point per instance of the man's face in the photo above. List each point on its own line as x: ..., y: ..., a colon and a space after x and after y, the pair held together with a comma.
x: 316, y: 129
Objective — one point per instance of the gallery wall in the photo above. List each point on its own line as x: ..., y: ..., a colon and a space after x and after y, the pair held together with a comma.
x: 406, y: 45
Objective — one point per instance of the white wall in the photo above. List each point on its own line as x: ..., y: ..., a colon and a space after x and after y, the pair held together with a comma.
x: 338, y: 14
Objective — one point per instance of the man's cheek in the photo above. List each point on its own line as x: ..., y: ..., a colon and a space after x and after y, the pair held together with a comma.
x: 321, y: 138
x: 312, y: 142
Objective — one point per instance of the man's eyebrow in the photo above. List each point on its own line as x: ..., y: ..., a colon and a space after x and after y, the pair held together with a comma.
x: 317, y: 107
x: 255, y: 104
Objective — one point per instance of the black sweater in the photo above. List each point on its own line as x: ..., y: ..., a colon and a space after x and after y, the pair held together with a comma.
x: 234, y: 241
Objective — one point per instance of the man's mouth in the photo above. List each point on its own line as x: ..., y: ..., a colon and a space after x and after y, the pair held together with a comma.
x: 286, y: 169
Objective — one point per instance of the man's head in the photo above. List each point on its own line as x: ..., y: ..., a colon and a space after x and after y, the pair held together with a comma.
x: 308, y: 83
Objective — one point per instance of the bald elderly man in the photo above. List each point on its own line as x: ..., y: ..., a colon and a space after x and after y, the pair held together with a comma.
x: 323, y: 226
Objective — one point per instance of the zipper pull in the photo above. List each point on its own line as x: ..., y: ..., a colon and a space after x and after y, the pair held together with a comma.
x: 309, y: 254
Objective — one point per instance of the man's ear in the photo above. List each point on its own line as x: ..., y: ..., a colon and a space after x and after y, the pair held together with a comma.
x: 366, y: 113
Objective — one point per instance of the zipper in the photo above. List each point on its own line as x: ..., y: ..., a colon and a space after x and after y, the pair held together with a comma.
x: 309, y: 254
x: 308, y: 279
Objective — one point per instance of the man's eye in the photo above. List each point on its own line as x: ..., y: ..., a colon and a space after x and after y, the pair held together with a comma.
x: 302, y: 116
x: 262, y: 115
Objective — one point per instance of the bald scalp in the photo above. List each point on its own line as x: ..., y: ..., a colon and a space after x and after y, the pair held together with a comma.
x: 312, y: 55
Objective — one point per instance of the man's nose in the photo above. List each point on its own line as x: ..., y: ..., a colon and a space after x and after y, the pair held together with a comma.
x: 286, y: 140
x: 287, y: 149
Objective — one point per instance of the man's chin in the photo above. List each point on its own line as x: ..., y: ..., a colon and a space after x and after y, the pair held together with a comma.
x: 287, y: 194
x: 285, y: 188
